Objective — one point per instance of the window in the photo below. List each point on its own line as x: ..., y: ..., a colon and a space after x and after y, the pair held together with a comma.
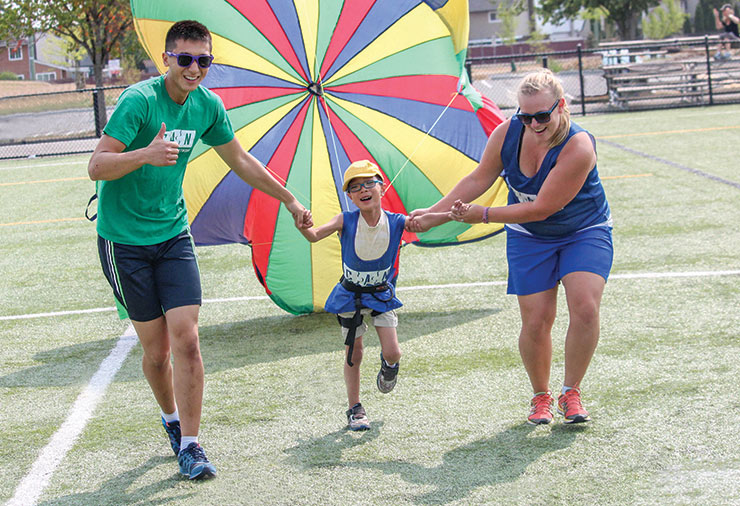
x: 15, y: 53
x: 46, y: 76
x: 492, y: 16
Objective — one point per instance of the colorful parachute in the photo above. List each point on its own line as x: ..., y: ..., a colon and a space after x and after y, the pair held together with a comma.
x: 312, y: 85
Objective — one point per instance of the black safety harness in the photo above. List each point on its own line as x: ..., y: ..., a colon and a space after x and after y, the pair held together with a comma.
x: 351, y: 324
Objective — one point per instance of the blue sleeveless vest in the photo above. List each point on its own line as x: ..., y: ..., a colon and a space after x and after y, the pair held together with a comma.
x: 367, y: 272
x: 587, y: 209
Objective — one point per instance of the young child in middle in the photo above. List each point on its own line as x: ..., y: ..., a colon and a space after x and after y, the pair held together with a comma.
x: 370, y: 238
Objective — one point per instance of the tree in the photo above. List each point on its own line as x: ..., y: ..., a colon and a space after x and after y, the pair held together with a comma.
x: 508, y: 14
x: 664, y: 21
x: 97, y: 26
x: 132, y: 55
x: 596, y: 16
x: 623, y: 13
x: 531, y: 16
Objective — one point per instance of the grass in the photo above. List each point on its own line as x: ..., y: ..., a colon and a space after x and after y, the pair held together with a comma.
x: 661, y: 388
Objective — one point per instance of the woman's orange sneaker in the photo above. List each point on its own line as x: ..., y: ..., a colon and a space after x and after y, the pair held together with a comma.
x: 540, y: 411
x: 569, y: 405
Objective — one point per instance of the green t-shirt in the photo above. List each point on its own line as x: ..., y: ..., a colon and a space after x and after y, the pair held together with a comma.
x: 147, y: 205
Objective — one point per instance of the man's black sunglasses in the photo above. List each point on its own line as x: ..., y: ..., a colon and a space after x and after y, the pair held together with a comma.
x: 185, y: 59
x: 541, y: 117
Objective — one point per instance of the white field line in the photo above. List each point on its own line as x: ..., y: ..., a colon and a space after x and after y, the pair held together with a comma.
x: 59, y: 164
x: 34, y: 483
x: 635, y: 275
x: 107, y: 309
x: 57, y: 313
x: 30, y: 488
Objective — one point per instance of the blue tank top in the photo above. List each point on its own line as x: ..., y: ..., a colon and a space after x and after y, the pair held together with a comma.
x: 367, y: 272
x: 588, y: 208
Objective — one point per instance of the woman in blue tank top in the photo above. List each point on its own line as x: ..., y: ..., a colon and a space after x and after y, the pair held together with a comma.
x: 558, y: 228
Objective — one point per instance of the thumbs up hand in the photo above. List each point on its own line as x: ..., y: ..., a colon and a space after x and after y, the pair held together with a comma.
x: 162, y: 153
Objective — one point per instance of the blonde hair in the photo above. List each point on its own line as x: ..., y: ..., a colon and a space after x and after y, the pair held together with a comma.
x: 545, y: 80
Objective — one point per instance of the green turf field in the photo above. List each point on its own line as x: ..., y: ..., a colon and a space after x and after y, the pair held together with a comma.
x: 662, y: 388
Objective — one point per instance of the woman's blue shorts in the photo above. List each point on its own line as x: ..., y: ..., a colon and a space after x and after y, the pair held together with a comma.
x: 537, y: 264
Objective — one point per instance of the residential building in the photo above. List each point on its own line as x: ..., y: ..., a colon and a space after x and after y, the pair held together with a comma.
x: 15, y: 57
x: 486, y: 24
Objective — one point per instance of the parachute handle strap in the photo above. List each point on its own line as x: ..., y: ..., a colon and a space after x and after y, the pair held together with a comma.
x: 87, y: 208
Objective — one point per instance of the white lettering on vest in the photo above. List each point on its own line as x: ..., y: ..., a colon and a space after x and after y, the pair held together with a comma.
x: 524, y: 197
x: 369, y: 278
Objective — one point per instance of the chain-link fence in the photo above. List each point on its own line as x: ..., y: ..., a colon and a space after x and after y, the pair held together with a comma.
x: 662, y: 74
x: 637, y: 76
x: 55, y: 123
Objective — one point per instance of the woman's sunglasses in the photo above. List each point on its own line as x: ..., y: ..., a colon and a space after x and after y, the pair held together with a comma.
x: 185, y: 59
x: 541, y: 117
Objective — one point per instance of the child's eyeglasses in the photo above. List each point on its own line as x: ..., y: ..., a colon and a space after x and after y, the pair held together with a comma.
x: 354, y: 188
x: 185, y: 59
x: 541, y: 117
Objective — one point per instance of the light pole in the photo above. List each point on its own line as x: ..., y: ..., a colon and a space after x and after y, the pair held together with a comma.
x: 32, y: 57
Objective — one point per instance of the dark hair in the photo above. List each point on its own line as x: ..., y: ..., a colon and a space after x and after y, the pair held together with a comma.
x: 186, y: 30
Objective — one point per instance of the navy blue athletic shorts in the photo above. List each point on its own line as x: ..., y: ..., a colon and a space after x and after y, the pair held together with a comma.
x: 537, y: 264
x: 150, y: 280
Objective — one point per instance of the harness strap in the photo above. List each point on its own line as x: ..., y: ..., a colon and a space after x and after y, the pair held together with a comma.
x: 356, y: 320
x: 363, y: 289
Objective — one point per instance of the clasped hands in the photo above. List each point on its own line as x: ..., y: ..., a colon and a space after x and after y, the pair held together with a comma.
x: 460, y: 211
x: 301, y: 216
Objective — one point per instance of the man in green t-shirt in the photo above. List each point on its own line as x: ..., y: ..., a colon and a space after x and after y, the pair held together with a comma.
x: 144, y: 240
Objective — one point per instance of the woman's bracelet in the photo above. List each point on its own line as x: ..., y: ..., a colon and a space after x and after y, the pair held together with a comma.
x: 485, y: 215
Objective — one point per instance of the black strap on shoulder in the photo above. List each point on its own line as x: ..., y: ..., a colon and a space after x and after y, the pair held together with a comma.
x: 87, y: 208
x: 356, y: 320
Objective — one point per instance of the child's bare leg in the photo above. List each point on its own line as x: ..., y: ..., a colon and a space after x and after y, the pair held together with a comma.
x: 389, y: 344
x: 352, y: 374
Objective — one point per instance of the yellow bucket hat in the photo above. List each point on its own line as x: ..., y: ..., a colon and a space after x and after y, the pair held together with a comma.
x: 361, y: 168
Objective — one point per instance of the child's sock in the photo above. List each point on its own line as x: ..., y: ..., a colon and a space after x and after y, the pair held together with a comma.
x: 392, y: 366
x: 186, y: 440
x: 565, y: 389
x: 172, y: 417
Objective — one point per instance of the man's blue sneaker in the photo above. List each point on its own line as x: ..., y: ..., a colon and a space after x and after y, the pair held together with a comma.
x: 194, y: 464
x: 173, y: 432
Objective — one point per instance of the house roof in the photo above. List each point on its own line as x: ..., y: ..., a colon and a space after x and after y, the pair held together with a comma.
x: 481, y: 6
x: 6, y: 43
x: 56, y: 66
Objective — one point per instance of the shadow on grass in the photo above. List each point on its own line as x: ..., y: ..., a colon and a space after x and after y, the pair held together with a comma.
x: 326, y: 451
x: 233, y: 345
x: 498, y: 459
x: 271, y: 339
x: 121, y: 489
x: 66, y: 365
